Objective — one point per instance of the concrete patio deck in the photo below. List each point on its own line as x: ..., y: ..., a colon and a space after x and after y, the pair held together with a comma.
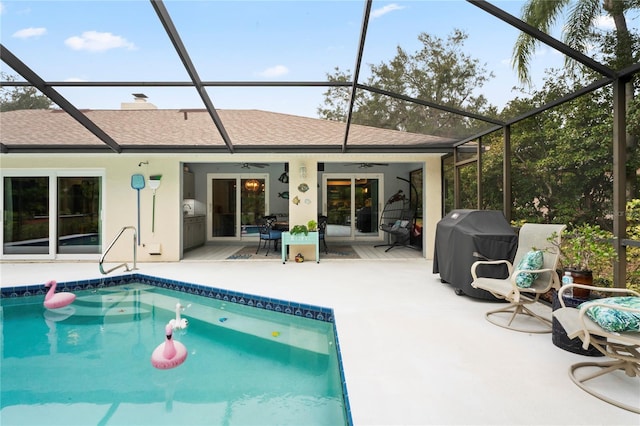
x: 413, y: 352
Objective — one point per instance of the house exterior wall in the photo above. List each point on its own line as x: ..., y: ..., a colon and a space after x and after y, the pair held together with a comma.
x: 119, y: 208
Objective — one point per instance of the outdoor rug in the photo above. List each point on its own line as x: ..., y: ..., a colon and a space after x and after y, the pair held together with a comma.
x: 335, y: 252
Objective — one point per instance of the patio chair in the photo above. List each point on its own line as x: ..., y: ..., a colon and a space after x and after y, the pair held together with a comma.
x: 322, y: 231
x: 268, y: 234
x: 612, y: 326
x: 527, y: 281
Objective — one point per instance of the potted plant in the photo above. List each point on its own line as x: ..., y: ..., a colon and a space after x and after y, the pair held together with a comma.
x: 311, y: 226
x: 585, y: 251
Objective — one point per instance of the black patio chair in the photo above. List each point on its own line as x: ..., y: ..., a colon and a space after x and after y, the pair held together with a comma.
x: 268, y: 234
x: 322, y: 231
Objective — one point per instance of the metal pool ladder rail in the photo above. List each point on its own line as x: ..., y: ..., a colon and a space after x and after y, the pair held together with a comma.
x: 135, y: 252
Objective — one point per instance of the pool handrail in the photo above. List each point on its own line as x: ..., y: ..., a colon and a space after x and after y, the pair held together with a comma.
x: 135, y: 252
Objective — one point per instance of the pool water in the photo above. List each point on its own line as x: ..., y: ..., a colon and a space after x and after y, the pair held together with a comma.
x: 89, y: 363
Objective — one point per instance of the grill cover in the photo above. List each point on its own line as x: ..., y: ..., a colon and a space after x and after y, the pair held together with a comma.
x: 463, y: 233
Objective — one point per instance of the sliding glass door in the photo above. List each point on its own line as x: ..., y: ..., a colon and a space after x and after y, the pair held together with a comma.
x: 352, y: 205
x: 51, y: 215
x: 78, y: 215
x: 26, y: 225
x: 235, y: 202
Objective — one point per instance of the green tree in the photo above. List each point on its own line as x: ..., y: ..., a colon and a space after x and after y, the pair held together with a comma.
x: 561, y: 159
x: 618, y: 48
x: 16, y: 98
x: 439, y: 72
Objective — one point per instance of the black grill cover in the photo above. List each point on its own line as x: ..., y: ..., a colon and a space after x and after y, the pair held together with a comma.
x: 463, y: 233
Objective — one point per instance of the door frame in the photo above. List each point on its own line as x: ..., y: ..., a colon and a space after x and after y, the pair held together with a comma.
x: 353, y: 177
x: 238, y: 216
x: 52, y: 176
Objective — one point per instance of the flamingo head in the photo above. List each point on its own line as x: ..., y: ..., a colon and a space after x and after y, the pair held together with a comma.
x: 168, y: 330
x: 50, y: 283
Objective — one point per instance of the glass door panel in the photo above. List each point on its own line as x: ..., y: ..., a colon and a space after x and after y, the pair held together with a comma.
x: 235, y: 203
x: 339, y: 212
x: 26, y: 215
x: 252, y: 201
x: 366, y: 206
x: 352, y: 204
x: 224, y: 210
x: 78, y: 215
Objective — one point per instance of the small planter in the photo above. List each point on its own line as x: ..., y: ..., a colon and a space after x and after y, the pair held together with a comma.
x: 581, y: 277
x: 559, y: 336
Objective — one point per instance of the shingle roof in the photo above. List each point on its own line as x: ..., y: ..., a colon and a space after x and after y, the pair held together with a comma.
x: 195, y: 128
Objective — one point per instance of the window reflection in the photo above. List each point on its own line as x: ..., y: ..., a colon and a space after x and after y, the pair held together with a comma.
x: 26, y: 221
x: 78, y: 215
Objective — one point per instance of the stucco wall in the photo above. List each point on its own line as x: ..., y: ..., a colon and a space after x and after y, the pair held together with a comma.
x: 120, y: 200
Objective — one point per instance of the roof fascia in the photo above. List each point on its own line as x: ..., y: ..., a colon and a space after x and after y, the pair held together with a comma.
x: 543, y: 37
x: 247, y: 149
x: 35, y: 80
x: 171, y: 31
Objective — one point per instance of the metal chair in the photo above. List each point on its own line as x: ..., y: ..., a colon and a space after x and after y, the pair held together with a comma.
x: 268, y: 234
x: 623, y: 346
x: 531, y: 237
x: 322, y: 231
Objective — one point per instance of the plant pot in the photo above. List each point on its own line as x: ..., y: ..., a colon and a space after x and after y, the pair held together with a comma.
x: 581, y: 277
x: 559, y: 335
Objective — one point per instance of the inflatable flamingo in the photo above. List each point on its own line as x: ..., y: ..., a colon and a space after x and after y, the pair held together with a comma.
x: 55, y: 300
x: 169, y: 354
x: 178, y: 323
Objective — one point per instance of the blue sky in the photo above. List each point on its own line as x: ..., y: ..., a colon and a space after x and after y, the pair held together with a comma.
x: 242, y: 40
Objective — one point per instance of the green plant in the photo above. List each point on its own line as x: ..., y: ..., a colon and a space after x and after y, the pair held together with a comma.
x: 587, y: 248
x: 299, y: 229
x: 311, y: 226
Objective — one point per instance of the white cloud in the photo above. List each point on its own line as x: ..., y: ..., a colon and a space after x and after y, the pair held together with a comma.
x: 94, y: 41
x: 1, y: 8
x: 29, y: 32
x: 604, y: 22
x: 277, y: 71
x: 385, y: 9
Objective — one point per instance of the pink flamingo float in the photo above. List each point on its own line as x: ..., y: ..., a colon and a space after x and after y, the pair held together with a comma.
x: 55, y: 300
x: 169, y: 354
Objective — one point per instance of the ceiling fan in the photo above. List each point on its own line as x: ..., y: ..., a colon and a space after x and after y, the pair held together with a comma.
x: 256, y: 165
x: 367, y: 165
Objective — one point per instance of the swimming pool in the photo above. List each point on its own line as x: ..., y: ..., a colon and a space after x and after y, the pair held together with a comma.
x: 251, y: 360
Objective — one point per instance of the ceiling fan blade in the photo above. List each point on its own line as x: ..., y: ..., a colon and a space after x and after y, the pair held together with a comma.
x: 366, y: 165
x: 250, y: 165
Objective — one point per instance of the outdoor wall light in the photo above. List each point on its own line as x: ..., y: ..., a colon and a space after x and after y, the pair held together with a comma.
x: 303, y: 171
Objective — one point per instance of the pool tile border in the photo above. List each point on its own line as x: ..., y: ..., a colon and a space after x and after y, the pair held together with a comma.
x: 317, y: 313
x: 291, y: 308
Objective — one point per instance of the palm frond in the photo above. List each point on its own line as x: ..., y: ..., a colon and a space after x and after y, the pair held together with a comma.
x: 541, y: 14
